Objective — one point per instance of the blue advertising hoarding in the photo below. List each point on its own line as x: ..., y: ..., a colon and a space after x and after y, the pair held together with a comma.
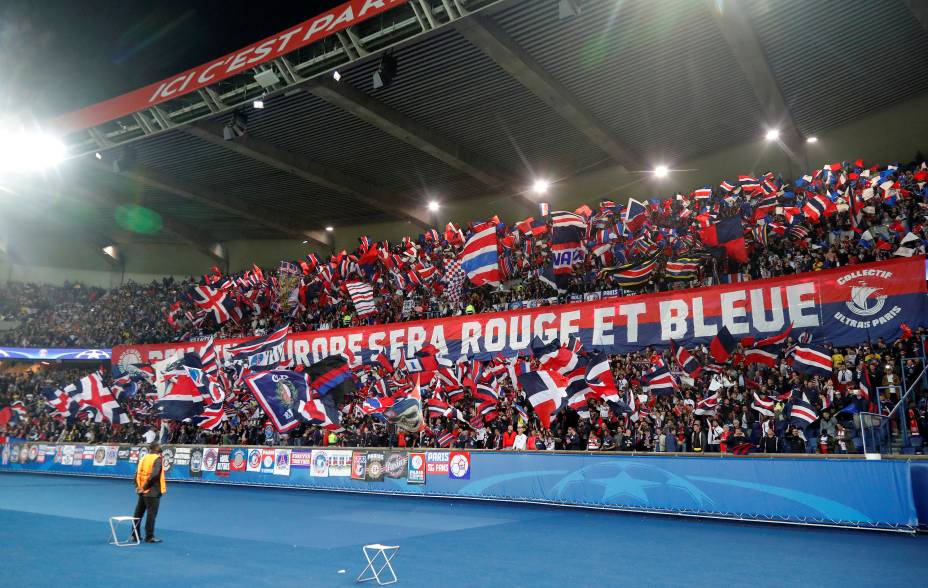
x: 842, y: 492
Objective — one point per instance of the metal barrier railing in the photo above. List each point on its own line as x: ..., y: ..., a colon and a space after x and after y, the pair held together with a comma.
x: 878, y: 427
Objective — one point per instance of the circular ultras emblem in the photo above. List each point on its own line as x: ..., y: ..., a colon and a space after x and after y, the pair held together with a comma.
x: 254, y: 459
x: 374, y: 469
x: 417, y: 462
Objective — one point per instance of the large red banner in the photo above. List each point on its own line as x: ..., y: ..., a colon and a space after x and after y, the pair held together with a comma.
x: 843, y: 306
x: 305, y: 33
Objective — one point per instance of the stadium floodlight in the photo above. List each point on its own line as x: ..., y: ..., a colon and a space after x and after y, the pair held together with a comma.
x: 661, y: 171
x: 337, y: 76
x: 111, y: 251
x: 258, y: 104
x: 26, y: 152
x: 434, y: 206
x: 386, y: 71
x: 98, y: 155
x: 812, y: 139
x: 305, y: 242
x: 772, y: 134
x: 267, y: 78
x: 329, y: 229
x: 541, y: 186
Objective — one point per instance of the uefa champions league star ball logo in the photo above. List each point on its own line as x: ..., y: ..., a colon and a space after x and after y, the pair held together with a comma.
x: 93, y: 354
x: 621, y: 483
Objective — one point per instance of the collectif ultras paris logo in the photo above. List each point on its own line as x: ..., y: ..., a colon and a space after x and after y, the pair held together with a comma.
x: 866, y: 302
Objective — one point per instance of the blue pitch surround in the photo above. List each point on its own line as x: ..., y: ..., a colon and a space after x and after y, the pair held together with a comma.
x: 53, y: 531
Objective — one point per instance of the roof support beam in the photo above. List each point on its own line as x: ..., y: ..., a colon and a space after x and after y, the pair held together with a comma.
x: 487, y: 36
x: 738, y: 32
x: 919, y: 9
x: 311, y: 171
x: 208, y: 197
x: 391, y: 121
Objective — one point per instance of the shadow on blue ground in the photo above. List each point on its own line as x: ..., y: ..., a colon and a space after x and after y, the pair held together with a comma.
x: 53, y: 532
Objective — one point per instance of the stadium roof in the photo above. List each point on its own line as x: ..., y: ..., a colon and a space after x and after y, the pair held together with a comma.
x: 486, y: 91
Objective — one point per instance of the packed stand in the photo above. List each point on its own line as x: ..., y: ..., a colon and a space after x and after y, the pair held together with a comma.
x: 842, y: 214
x: 738, y: 408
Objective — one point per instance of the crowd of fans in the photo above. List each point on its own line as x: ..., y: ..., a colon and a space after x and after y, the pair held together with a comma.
x: 875, y: 213
x: 658, y: 424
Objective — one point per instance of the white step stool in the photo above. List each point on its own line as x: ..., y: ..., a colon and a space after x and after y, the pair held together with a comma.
x: 115, y: 524
x: 385, y: 553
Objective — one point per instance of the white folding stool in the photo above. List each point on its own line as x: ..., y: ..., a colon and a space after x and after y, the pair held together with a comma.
x: 386, y: 553
x: 114, y: 524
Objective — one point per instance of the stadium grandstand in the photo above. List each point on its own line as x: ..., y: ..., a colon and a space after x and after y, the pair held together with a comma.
x: 636, y: 258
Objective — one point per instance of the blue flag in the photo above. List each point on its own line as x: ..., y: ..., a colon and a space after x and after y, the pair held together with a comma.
x: 279, y: 392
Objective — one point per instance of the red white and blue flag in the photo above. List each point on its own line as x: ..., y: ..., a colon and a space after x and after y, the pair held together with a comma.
x: 480, y: 256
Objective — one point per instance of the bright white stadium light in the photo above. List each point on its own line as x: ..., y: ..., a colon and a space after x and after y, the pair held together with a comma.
x: 305, y: 242
x: 22, y: 152
x: 336, y: 75
x: 329, y: 228
x: 98, y: 155
x: 661, y: 171
x: 811, y: 139
x: 772, y: 135
x: 434, y: 206
x: 259, y: 104
x: 541, y: 186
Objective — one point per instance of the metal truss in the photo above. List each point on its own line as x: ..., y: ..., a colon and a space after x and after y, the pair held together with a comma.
x: 400, y: 25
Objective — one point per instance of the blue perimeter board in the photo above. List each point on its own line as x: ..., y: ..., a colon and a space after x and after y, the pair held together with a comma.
x: 843, y: 492
x: 53, y: 532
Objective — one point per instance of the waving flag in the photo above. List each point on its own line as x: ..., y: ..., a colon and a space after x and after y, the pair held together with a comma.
x: 96, y: 399
x: 331, y: 376
x: 362, y: 295
x: 763, y: 404
x: 547, y: 393
x: 685, y: 360
x: 802, y: 413
x: 60, y: 403
x: 729, y: 234
x: 211, y: 417
x: 723, y: 345
x: 811, y: 360
x: 760, y: 356
x: 261, y: 352
x: 181, y: 400
x: 683, y: 268
x: 660, y: 382
x: 707, y: 406
x: 480, y: 256
x: 279, y: 392
x: 217, y: 302
x: 321, y: 412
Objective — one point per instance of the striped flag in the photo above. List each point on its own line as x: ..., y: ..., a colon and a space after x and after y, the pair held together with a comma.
x: 362, y: 295
x: 763, y: 404
x: 480, y: 256
x: 802, y: 413
x: 811, y: 360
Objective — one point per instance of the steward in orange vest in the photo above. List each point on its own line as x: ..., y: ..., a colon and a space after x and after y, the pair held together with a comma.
x: 149, y: 485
